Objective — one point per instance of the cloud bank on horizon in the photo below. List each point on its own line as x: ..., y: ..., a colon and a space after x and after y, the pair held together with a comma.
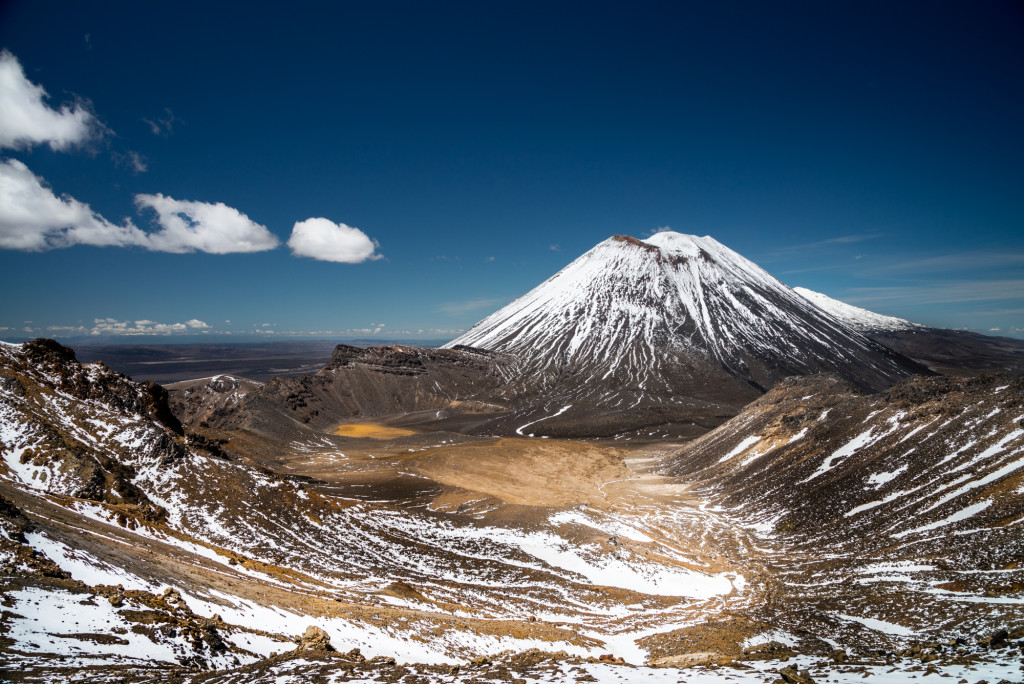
x: 33, y: 218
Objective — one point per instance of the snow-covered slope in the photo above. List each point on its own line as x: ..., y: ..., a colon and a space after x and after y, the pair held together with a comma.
x: 854, y: 316
x: 915, y: 492
x: 677, y: 313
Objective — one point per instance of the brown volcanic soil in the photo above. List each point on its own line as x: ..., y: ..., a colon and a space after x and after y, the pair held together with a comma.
x: 526, y: 472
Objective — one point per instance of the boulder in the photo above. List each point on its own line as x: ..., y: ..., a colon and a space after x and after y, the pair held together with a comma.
x: 314, y: 639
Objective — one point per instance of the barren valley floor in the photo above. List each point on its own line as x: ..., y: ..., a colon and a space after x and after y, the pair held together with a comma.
x: 433, y: 548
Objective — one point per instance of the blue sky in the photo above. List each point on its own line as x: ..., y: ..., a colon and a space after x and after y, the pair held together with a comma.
x: 463, y: 152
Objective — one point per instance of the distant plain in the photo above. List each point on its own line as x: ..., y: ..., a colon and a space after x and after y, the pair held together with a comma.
x: 167, y: 363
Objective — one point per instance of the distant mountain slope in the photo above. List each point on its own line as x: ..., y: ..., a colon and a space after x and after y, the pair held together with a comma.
x: 854, y: 316
x: 951, y: 352
x: 956, y: 352
x: 636, y: 323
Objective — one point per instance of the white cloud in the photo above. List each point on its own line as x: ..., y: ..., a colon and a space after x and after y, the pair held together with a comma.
x: 26, y: 120
x: 200, y: 226
x: 33, y: 219
x: 131, y: 160
x: 112, y: 326
x: 659, y: 229
x: 196, y: 323
x: 324, y: 240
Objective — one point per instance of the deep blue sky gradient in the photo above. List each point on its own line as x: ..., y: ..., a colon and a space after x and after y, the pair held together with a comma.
x: 870, y: 151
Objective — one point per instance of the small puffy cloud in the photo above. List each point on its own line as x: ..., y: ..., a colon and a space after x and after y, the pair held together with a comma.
x: 325, y: 240
x: 34, y: 219
x: 660, y: 229
x: 203, y: 227
x: 26, y: 119
x: 196, y: 323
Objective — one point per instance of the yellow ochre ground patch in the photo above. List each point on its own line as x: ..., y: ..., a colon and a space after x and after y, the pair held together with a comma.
x: 371, y: 430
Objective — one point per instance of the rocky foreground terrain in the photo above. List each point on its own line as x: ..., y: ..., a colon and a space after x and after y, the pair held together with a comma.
x: 823, y: 534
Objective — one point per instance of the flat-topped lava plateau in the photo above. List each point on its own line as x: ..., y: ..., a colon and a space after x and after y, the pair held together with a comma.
x: 661, y: 464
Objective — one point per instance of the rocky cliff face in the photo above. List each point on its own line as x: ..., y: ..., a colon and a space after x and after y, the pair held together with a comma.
x: 83, y: 430
x: 356, y: 383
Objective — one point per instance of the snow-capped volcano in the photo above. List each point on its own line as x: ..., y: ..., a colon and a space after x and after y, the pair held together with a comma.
x: 854, y: 316
x: 677, y: 314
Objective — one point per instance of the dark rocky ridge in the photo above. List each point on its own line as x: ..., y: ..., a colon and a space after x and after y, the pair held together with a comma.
x: 44, y: 375
x: 358, y: 382
x: 955, y: 352
x: 108, y: 386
